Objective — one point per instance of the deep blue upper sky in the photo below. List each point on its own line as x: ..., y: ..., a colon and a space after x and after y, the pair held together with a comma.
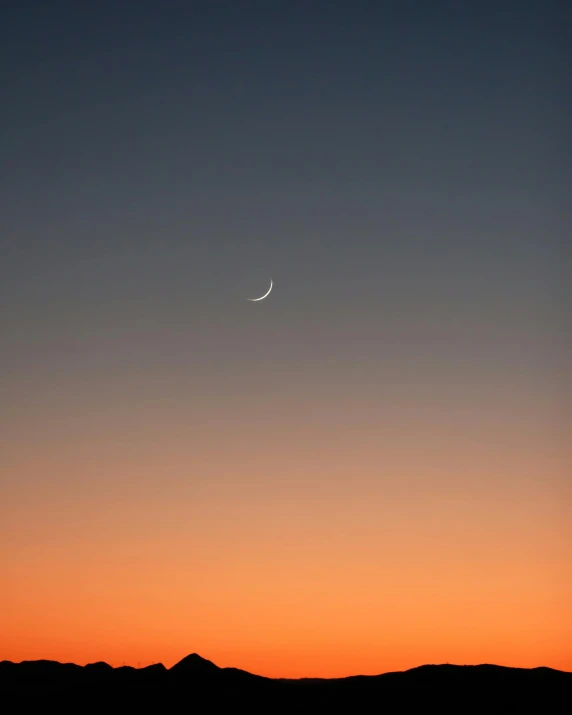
x: 402, y: 171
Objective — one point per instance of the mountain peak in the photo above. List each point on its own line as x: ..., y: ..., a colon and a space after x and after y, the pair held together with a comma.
x: 194, y: 663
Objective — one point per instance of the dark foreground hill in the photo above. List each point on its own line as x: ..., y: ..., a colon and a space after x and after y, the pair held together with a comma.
x: 196, y: 685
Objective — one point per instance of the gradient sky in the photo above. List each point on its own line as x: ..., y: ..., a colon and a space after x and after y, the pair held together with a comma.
x: 365, y: 472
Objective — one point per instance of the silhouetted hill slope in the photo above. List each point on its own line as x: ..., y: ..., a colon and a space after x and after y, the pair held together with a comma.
x: 193, y: 665
x: 204, y: 683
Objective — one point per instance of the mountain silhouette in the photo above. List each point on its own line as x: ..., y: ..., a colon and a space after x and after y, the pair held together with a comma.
x: 201, y: 682
x: 194, y: 665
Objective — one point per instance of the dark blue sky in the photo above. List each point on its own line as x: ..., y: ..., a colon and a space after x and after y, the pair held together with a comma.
x: 402, y: 171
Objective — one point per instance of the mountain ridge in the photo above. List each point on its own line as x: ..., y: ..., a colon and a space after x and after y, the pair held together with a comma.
x: 195, y: 663
x: 201, y: 682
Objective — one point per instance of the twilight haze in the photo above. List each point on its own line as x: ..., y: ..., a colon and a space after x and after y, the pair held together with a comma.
x: 367, y: 470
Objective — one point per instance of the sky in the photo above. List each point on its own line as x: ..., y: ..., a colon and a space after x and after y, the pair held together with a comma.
x: 369, y: 469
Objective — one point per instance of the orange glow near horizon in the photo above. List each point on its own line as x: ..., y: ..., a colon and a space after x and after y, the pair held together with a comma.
x: 333, y: 567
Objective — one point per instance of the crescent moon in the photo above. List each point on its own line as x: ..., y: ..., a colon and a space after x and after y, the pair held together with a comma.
x: 262, y: 297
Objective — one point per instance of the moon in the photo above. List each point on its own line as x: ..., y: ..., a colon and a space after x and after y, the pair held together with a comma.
x: 262, y: 297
